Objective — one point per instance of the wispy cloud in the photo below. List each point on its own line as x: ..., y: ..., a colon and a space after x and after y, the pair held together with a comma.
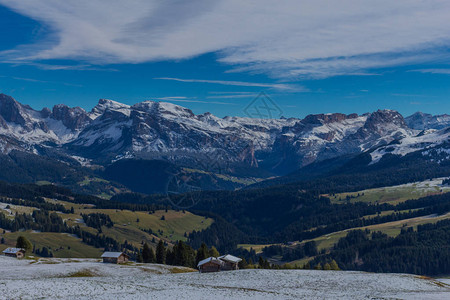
x: 278, y: 86
x: 43, y: 66
x: 175, y: 98
x: 412, y: 95
x: 433, y: 71
x: 422, y: 103
x: 231, y: 93
x: 285, y: 39
x: 233, y: 96
x: 191, y: 100
x: 41, y: 81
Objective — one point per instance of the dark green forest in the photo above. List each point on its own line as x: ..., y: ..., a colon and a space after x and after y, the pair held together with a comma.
x: 422, y: 251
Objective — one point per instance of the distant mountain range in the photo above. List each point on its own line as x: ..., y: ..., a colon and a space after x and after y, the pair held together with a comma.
x: 112, y: 131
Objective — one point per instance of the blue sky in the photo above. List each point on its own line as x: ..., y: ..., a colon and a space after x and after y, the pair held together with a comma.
x: 217, y: 56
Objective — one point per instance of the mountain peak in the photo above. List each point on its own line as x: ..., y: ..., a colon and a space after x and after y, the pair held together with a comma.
x: 385, y: 116
x: 327, y: 118
x: 164, y: 108
x: 106, y: 104
x: 424, y: 121
x: 11, y: 110
x: 73, y: 118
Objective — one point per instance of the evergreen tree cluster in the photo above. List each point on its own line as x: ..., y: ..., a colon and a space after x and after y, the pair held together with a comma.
x: 181, y: 254
x: 44, y: 252
x: 97, y: 220
x: 37, y: 202
x: 424, y: 251
x: 40, y: 220
x: 308, y: 249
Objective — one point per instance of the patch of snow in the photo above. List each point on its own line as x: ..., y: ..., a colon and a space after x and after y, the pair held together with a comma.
x: 413, y: 143
x: 49, y: 278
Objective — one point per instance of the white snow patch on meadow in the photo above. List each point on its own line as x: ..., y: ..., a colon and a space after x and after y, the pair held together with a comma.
x: 50, y: 278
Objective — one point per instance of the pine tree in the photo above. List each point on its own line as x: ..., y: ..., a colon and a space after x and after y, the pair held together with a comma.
x: 266, y: 264
x: 261, y: 262
x: 334, y: 265
x: 45, y: 252
x: 202, y: 253
x: 139, y: 258
x: 23, y: 242
x: 160, y: 253
x: 243, y: 264
x: 184, y: 255
x: 250, y: 262
x: 148, y: 256
x: 213, y: 252
x: 327, y: 266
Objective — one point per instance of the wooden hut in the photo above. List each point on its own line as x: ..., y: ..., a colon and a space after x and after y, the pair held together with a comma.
x: 14, y: 252
x: 115, y: 257
x: 210, y: 264
x: 230, y: 262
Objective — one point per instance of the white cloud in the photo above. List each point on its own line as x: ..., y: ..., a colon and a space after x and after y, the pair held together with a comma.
x: 40, y: 81
x: 175, y: 98
x: 191, y: 100
x: 278, y: 86
x: 233, y: 96
x: 433, y: 71
x: 286, y: 39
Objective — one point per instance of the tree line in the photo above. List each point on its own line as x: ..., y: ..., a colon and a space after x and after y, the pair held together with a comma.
x: 424, y: 251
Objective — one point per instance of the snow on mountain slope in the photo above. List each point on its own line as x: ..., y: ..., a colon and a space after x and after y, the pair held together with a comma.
x: 28, y: 126
x: 422, y: 121
x: 155, y: 129
x: 319, y: 137
x: 113, y: 130
x: 160, y: 128
x: 105, y: 104
x: 425, y: 140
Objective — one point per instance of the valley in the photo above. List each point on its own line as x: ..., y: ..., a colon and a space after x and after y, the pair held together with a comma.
x: 224, y: 149
x: 279, y: 193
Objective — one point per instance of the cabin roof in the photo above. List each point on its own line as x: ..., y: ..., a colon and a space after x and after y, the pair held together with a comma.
x: 210, y: 259
x: 13, y: 250
x: 112, y: 254
x: 230, y: 258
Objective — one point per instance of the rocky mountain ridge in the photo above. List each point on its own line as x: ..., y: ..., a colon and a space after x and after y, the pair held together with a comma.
x: 113, y: 130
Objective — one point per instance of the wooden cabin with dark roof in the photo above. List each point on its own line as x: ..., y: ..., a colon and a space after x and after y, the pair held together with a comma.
x: 14, y: 252
x: 115, y: 257
x: 210, y: 264
x: 230, y: 262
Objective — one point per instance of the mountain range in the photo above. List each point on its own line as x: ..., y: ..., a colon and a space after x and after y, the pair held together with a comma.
x: 240, y: 146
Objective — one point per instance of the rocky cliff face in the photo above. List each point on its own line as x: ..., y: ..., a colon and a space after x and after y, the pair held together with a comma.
x: 74, y: 119
x: 150, y: 129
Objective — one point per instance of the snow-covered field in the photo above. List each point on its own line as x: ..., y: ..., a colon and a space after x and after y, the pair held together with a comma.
x: 51, y: 278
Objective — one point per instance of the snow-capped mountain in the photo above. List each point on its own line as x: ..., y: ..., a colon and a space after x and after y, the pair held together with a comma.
x: 433, y: 144
x: 150, y: 129
x: 30, y: 127
x: 155, y: 129
x: 424, y: 121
